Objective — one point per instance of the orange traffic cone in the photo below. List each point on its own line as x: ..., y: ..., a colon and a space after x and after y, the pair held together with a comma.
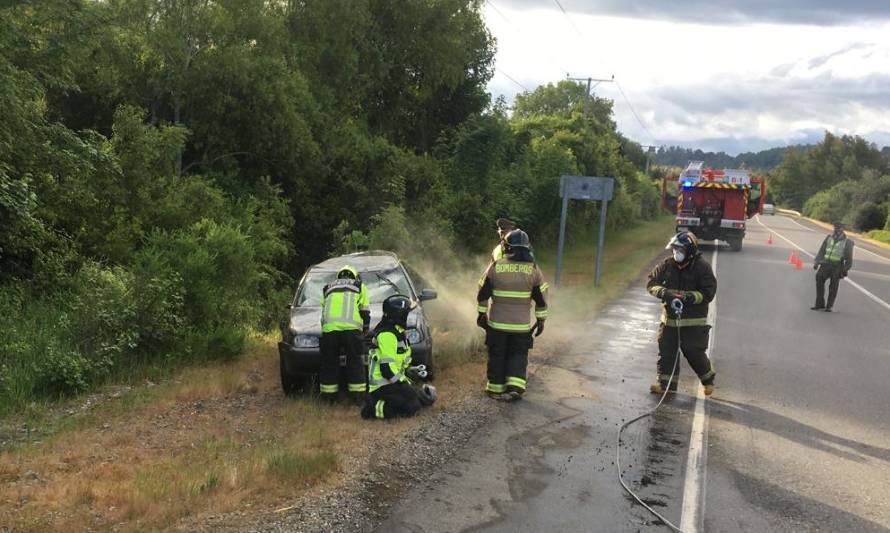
x: 770, y: 240
x: 792, y: 259
x: 798, y: 265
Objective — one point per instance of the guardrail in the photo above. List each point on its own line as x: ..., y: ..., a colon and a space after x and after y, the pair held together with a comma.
x: 789, y: 212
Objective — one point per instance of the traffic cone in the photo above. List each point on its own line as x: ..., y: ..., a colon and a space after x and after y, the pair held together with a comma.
x: 792, y: 259
x: 798, y: 265
x: 770, y: 240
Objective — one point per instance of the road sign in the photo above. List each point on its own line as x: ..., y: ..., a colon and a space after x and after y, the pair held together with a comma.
x: 584, y: 188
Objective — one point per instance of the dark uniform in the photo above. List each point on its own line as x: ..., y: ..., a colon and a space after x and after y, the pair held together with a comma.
x: 695, y: 284
x: 834, y: 260
x: 512, y: 283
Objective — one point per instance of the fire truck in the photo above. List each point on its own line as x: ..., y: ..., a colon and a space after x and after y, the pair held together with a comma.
x: 714, y: 204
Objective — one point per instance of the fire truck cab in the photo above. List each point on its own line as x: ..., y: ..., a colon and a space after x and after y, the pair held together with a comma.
x: 714, y: 204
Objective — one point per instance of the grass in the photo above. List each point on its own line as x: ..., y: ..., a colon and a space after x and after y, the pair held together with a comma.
x: 212, y: 439
x: 627, y: 253
x: 879, y: 235
x: 221, y: 437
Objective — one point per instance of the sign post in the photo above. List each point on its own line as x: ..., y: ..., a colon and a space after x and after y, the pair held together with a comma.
x: 584, y: 188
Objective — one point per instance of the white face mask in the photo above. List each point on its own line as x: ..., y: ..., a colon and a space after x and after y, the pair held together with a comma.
x: 679, y: 256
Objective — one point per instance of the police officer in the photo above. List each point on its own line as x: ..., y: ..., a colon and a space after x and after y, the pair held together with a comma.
x: 687, y: 277
x: 345, y: 317
x: 512, y: 283
x: 834, y: 260
x: 391, y: 393
x: 504, y: 226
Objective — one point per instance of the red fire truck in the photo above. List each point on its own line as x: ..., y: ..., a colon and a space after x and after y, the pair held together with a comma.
x: 714, y: 204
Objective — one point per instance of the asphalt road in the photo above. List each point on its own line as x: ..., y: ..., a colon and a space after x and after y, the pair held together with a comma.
x: 795, y: 439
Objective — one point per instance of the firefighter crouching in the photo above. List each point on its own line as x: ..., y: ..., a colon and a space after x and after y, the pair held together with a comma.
x: 391, y: 394
x: 512, y: 283
x: 688, y: 277
x: 345, y: 317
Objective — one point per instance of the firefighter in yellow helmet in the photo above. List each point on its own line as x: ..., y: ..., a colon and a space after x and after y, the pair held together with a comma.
x: 513, y: 283
x: 504, y: 226
x: 687, y: 277
x: 345, y: 318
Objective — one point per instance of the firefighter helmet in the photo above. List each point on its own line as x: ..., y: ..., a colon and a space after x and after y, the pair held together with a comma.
x: 686, y: 241
x: 427, y: 394
x: 505, y: 226
x: 347, y: 272
x: 518, y: 239
x: 396, y: 309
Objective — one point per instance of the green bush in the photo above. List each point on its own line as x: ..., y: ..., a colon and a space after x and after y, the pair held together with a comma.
x: 879, y: 235
x: 867, y: 216
x: 220, y: 277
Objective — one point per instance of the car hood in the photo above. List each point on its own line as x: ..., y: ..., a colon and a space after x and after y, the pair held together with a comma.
x: 307, y: 320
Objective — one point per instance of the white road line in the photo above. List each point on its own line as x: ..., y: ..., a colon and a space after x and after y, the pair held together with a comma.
x: 857, y: 249
x: 692, y: 515
x: 861, y: 289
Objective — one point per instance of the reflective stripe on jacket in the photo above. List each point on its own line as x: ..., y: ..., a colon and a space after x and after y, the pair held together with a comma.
x: 512, y: 286
x: 695, y: 278
x: 342, y: 306
x: 389, y: 358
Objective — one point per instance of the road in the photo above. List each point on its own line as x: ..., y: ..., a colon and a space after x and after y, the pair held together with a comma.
x: 795, y: 439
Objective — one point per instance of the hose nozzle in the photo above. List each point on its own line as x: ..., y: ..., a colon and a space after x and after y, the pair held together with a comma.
x: 677, y: 306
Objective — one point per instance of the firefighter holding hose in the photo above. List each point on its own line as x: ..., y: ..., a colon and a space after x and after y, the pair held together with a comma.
x: 687, y: 277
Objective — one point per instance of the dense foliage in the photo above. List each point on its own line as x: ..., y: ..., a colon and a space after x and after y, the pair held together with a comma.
x: 167, y: 166
x: 676, y: 156
x: 840, y: 179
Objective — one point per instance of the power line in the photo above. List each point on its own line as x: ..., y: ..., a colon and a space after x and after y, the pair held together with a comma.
x: 566, y: 13
x: 552, y: 60
x: 509, y: 77
x: 634, y: 111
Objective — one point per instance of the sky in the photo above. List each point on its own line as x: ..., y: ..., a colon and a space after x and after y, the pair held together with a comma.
x: 719, y: 75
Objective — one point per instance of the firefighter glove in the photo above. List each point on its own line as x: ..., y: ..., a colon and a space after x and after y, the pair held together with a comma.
x: 815, y: 266
x: 538, y: 328
x: 688, y: 298
x: 481, y: 321
x: 670, y: 295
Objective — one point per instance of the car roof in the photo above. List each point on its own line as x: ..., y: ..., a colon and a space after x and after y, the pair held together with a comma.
x: 373, y: 260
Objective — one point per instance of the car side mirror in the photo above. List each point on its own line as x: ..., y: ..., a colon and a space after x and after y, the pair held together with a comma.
x: 289, y: 306
x: 428, y: 294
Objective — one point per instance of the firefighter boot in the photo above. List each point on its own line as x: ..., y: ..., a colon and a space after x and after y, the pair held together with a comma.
x: 709, y: 389
x: 659, y: 386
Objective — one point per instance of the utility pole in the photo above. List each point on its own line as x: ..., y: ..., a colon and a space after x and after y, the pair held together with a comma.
x: 650, y: 149
x: 589, y: 87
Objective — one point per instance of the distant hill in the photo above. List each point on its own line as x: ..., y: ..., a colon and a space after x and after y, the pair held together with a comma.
x: 764, y: 160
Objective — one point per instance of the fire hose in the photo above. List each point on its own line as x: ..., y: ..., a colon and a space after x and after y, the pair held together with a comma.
x: 677, y: 307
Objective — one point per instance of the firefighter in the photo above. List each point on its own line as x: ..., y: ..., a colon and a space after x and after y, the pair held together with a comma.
x: 512, y: 283
x: 345, y: 319
x: 504, y: 226
x: 688, y: 277
x: 391, y: 393
x: 833, y: 262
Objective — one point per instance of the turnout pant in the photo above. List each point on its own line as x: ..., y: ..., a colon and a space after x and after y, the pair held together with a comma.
x: 393, y: 401
x: 332, y: 345
x: 507, y: 361
x: 694, y: 345
x: 832, y: 274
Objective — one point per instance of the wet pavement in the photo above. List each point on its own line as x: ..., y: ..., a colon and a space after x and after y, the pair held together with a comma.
x: 549, y: 464
x: 796, y: 437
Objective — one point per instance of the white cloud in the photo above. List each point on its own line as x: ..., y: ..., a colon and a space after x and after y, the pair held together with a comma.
x: 691, y: 81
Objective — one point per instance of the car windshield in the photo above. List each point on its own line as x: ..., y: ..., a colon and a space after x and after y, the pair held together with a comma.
x: 380, y: 284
